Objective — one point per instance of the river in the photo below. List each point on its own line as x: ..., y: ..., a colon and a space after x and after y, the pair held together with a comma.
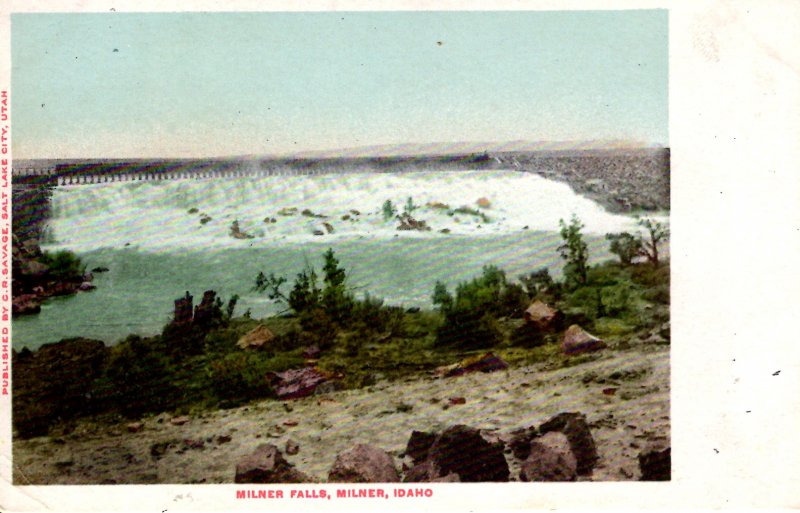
x: 156, y: 248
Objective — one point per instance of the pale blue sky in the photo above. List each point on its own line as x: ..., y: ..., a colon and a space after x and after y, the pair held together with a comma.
x: 212, y: 84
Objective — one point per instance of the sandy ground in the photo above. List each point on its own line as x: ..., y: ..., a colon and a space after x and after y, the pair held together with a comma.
x: 383, y: 415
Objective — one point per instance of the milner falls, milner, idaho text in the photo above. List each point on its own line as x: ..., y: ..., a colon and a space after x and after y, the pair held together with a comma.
x: 340, y: 493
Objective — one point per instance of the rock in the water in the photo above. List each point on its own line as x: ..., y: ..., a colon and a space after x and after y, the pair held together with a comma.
x: 363, y: 464
x: 575, y: 428
x: 418, y: 445
x: 542, y: 316
x: 86, y: 286
x: 256, y: 338
x: 267, y: 465
x: 26, y: 304
x: 100, y: 270
x: 550, y: 459
x: 577, y: 341
x: 461, y: 450
x: 655, y: 463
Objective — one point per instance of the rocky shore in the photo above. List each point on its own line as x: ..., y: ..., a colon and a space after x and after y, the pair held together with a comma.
x: 37, y: 276
x: 606, y: 418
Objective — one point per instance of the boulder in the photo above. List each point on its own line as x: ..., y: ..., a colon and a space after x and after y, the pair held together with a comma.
x: 256, y: 338
x: 484, y: 203
x: 542, y: 316
x: 363, y: 464
x: 418, y: 445
x: 267, y: 465
x: 550, y: 459
x: 328, y: 227
x: 100, y: 270
x: 86, y: 286
x: 461, y: 450
x: 520, y: 443
x: 484, y: 363
x: 655, y: 463
x: 296, y: 383
x: 577, y: 341
x: 576, y: 429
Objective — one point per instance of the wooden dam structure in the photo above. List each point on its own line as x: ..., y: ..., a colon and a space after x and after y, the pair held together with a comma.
x: 87, y: 172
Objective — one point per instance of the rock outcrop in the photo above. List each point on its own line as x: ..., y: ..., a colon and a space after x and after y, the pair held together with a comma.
x: 296, y: 383
x: 542, y: 316
x: 577, y: 341
x: 461, y: 450
x: 256, y: 338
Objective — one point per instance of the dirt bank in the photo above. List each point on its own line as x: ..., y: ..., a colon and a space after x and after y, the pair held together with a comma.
x: 206, y: 448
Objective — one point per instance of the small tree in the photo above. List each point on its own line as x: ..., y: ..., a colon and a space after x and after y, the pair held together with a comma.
x: 388, y: 210
x: 656, y: 234
x: 410, y: 207
x: 625, y: 246
x: 574, y: 251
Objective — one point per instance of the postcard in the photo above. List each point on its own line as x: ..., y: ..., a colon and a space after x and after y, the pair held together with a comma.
x: 270, y: 256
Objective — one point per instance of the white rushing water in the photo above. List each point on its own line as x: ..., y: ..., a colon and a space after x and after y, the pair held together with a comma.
x: 154, y: 216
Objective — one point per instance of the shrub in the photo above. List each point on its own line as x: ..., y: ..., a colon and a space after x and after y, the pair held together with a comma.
x: 389, y: 211
x: 469, y: 317
x: 574, y: 251
x: 625, y: 246
x: 656, y: 234
x: 239, y: 376
x: 64, y: 265
x: 527, y: 335
x: 538, y: 282
x: 140, y: 374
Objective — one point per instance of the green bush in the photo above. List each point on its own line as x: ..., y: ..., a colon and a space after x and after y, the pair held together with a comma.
x: 240, y: 376
x: 64, y: 265
x: 470, y: 316
x: 141, y: 376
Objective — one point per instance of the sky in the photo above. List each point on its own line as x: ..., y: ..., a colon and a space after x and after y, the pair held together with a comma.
x: 220, y: 84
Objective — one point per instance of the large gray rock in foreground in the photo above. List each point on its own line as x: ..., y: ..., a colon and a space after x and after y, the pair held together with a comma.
x: 576, y: 429
x: 550, y: 459
x: 267, y: 465
x: 363, y: 464
x: 461, y: 450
